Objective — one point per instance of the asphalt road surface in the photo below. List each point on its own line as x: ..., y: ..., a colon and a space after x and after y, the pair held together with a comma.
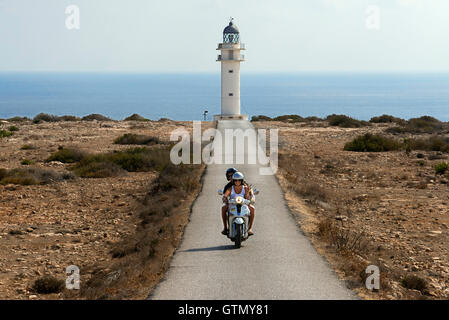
x: 278, y: 262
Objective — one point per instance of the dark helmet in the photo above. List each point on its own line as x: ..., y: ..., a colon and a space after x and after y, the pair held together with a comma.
x: 230, y: 172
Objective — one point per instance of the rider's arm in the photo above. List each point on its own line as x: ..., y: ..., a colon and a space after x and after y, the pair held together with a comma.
x: 248, y: 192
x: 226, y: 195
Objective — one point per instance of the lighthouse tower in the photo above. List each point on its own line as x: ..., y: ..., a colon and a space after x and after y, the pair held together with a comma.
x: 230, y: 59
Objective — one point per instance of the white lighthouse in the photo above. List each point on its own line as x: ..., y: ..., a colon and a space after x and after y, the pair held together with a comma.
x: 230, y: 59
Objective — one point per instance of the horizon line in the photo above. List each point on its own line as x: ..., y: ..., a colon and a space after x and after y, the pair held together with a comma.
x: 218, y: 72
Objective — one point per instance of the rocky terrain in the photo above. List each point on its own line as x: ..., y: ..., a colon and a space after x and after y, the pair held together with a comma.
x: 388, y: 209
x: 77, y: 221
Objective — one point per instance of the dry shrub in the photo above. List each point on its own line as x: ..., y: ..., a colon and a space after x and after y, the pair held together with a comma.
x: 387, y: 119
x: 31, y: 176
x: 67, y: 155
x: 27, y: 147
x: 115, y: 163
x: 69, y: 118
x: 372, y: 143
x: 344, y: 121
x: 96, y: 116
x: 18, y: 119
x: 136, y: 117
x: 48, y: 284
x: 415, y: 283
x: 424, y: 124
x: 342, y: 238
x: 45, y: 117
x: 311, y: 191
x: 98, y: 169
x: 433, y: 143
x: 130, y: 138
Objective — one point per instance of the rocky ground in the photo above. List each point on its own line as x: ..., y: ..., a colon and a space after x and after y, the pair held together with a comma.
x: 46, y: 228
x: 393, y: 200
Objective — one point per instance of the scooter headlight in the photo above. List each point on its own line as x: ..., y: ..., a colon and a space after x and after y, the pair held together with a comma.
x: 239, y: 200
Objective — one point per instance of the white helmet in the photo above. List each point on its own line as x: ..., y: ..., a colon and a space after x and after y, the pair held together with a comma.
x: 237, y: 176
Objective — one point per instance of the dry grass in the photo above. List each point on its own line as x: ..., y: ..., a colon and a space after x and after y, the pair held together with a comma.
x: 342, y: 237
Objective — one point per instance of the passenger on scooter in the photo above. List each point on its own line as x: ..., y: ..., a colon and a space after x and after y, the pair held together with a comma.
x: 239, y: 189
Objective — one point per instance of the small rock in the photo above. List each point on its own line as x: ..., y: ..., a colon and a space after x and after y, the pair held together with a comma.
x: 10, y: 187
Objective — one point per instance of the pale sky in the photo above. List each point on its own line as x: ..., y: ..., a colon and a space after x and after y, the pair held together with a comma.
x: 182, y: 35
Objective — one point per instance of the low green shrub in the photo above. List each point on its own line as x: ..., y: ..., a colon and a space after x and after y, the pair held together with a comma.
x: 313, y: 118
x: 261, y: 118
x: 26, y: 162
x: 67, y: 155
x: 45, y: 117
x: 387, y: 119
x: 69, y: 118
x: 97, y: 168
x: 96, y: 116
x: 27, y: 147
x: 4, y: 133
x: 132, y: 160
x: 372, y: 143
x: 433, y: 143
x: 441, y: 167
x: 286, y: 118
x: 130, y: 138
x: 136, y: 117
x: 31, y: 176
x: 289, y: 118
x: 343, y: 121
x: 18, y: 119
x: 424, y: 124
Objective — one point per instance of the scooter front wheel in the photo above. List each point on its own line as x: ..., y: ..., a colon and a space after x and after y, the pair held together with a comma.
x: 238, y: 237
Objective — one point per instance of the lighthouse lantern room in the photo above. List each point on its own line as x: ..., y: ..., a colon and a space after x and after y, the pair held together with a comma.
x: 230, y: 59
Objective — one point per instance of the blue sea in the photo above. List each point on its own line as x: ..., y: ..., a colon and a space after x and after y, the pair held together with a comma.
x: 187, y: 96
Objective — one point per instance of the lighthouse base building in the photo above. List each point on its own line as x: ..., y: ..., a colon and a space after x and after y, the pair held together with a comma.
x: 230, y: 59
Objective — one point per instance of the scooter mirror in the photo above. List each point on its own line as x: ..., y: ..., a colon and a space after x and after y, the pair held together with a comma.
x: 220, y: 192
x: 256, y: 191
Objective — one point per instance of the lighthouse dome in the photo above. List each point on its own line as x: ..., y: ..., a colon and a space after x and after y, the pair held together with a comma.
x: 231, y: 28
x: 231, y: 34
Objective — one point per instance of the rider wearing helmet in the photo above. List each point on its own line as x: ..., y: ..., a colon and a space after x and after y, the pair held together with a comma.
x: 224, y: 209
x: 238, y: 187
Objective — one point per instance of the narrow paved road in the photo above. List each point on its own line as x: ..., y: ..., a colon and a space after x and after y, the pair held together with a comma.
x: 278, y: 262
